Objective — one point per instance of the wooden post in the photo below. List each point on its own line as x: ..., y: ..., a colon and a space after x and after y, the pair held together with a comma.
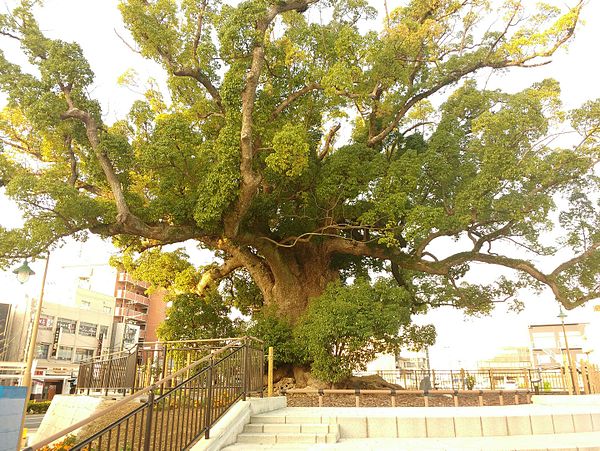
x: 492, y: 381
x: 576, y: 390
x: 584, y: 377
x: 270, y: 376
x: 357, y: 397
x: 566, y: 384
x: 501, y: 396
x: 433, y: 379
x: 480, y: 398
x: 320, y: 395
x: 462, y: 377
x: 455, y: 396
x: 526, y: 378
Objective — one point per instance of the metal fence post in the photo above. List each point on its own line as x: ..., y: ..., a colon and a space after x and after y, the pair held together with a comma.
x: 209, y: 395
x: 246, y: 367
x: 108, y: 375
x: 148, y: 428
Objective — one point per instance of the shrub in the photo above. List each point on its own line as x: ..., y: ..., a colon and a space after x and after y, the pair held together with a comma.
x: 278, y: 333
x: 470, y: 381
x: 345, y: 327
x: 37, y: 406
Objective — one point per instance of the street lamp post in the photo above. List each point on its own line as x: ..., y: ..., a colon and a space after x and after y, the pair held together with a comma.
x: 23, y: 273
x: 562, y: 315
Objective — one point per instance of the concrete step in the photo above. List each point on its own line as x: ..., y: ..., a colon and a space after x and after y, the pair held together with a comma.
x: 285, y: 438
x: 275, y: 418
x: 572, y: 442
x: 294, y: 428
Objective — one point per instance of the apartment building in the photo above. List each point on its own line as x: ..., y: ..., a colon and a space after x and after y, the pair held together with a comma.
x: 137, y: 314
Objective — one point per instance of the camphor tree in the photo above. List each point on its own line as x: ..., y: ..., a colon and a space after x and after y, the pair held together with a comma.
x: 304, y: 150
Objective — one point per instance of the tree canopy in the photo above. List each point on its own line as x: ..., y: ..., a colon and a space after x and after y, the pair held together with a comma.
x: 305, y: 148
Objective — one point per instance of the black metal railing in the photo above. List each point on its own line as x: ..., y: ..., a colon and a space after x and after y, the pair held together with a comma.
x: 114, y: 372
x: 142, y: 365
x: 177, y: 410
x: 544, y: 380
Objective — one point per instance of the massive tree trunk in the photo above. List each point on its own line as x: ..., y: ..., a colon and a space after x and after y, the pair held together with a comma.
x: 298, y: 274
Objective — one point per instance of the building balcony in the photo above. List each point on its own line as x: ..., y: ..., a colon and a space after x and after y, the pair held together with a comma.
x: 129, y: 313
x: 125, y: 277
x: 132, y: 297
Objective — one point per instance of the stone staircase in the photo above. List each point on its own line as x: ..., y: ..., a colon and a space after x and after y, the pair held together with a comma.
x: 464, y: 428
x: 271, y: 429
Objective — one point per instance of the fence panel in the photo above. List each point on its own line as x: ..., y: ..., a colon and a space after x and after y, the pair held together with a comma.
x: 179, y: 409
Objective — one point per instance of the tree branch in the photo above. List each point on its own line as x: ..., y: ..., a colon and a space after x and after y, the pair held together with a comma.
x: 203, y: 79
x: 328, y: 139
x: 250, y: 180
x: 293, y: 97
x: 212, y: 276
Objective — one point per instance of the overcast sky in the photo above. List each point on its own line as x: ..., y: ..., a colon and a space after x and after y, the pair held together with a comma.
x: 92, y: 23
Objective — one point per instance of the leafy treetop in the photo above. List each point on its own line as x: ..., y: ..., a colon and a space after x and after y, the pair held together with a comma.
x: 244, y: 152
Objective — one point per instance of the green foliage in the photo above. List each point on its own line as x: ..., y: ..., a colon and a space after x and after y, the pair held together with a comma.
x: 345, y: 327
x: 290, y: 151
x: 36, y: 407
x: 277, y: 332
x: 240, y: 151
x: 193, y: 317
x: 470, y: 381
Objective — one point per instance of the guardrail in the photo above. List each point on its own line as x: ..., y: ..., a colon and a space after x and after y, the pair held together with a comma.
x: 142, y: 365
x: 177, y: 410
x: 550, y: 380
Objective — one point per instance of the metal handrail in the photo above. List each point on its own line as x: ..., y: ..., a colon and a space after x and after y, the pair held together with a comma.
x: 156, y: 386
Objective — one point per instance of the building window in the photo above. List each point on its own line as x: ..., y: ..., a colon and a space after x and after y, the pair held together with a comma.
x: 107, y: 310
x: 46, y: 322
x: 86, y: 305
x: 64, y: 353
x: 103, y: 332
x: 83, y: 354
x: 41, y: 351
x: 66, y: 325
x: 544, y: 340
x: 88, y: 329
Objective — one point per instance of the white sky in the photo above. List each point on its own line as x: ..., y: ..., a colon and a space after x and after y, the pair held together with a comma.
x: 92, y: 24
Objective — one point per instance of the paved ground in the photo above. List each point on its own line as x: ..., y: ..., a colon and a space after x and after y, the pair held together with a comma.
x: 32, y: 423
